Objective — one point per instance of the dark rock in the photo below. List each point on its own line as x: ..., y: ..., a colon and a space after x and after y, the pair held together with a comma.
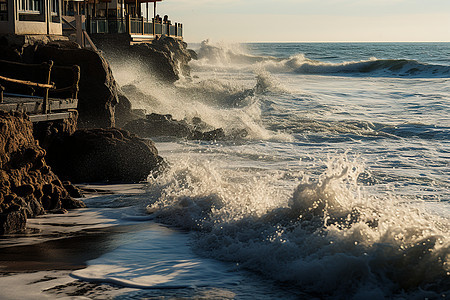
x: 46, y: 132
x: 166, y: 58
x: 213, y: 135
x: 70, y: 203
x: 73, y: 190
x: 164, y: 125
x: 103, y: 155
x: 151, y: 127
x: 193, y: 54
x: 123, y: 110
x: 24, y: 190
x: 13, y: 222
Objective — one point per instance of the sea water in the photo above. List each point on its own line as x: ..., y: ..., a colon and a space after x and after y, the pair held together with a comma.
x: 334, y: 181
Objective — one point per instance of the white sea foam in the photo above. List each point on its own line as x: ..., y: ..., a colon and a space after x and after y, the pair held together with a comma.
x: 328, y: 237
x: 221, y: 103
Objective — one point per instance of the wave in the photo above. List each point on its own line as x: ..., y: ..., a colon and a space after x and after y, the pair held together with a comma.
x: 232, y: 55
x: 300, y: 64
x: 322, y: 130
x: 327, y: 238
x: 376, y: 67
x: 225, y: 54
x: 229, y: 104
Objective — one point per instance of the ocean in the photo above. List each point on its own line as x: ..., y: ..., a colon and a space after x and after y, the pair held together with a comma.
x: 333, y: 183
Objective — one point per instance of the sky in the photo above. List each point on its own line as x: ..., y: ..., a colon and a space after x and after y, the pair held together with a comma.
x: 310, y: 20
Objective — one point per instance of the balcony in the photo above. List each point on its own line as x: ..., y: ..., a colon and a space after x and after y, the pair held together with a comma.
x: 136, y: 27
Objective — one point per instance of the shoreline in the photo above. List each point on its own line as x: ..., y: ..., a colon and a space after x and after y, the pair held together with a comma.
x: 67, y: 241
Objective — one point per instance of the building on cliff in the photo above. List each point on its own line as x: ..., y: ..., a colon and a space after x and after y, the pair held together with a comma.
x: 133, y: 21
x: 30, y: 17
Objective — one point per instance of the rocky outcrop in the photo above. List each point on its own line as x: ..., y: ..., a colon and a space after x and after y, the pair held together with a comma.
x: 166, y: 58
x: 103, y: 155
x: 28, y: 186
x: 164, y: 125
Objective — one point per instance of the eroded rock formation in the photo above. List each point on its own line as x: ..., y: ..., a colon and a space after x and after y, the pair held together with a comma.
x: 28, y: 186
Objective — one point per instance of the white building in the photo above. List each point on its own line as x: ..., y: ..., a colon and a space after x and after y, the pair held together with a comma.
x: 23, y: 17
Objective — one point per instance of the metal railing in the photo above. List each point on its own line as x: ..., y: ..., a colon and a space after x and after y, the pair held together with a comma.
x: 134, y: 26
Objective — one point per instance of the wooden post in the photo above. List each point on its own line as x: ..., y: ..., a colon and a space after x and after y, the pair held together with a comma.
x: 76, y: 81
x: 128, y: 24
x: 154, y: 19
x: 78, y: 26
x: 45, y: 106
x: 121, y: 11
x: 1, y: 93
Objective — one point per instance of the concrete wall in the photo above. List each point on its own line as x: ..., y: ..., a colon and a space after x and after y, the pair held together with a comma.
x: 14, y: 26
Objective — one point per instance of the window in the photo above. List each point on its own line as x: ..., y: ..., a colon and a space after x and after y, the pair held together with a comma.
x: 30, y: 6
x: 3, y: 10
x: 55, y: 7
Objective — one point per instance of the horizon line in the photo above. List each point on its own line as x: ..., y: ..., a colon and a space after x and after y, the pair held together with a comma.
x: 286, y: 42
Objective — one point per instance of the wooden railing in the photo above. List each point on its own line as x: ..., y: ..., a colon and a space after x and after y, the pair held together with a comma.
x: 29, y: 76
x: 28, y: 88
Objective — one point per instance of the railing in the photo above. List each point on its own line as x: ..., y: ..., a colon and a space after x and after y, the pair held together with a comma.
x: 102, y: 25
x: 134, y: 26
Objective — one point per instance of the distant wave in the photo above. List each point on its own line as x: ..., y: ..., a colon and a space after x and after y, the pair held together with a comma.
x: 377, y: 67
x: 226, y: 55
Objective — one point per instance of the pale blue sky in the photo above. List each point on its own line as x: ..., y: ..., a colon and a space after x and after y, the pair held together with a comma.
x: 310, y: 20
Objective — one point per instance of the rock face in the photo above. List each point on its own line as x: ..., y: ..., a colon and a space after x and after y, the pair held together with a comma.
x: 98, y: 92
x: 166, y: 58
x: 28, y: 187
x: 46, y: 132
x: 103, y: 155
x: 165, y: 125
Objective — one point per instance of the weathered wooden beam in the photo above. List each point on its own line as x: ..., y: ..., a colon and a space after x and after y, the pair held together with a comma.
x: 35, y: 107
x: 29, y: 83
x: 49, y: 117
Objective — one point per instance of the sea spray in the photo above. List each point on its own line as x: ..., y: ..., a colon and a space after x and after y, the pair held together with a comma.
x: 226, y: 104
x: 328, y: 238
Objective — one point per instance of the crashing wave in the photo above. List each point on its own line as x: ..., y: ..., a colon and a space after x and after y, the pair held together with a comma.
x: 329, y: 238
